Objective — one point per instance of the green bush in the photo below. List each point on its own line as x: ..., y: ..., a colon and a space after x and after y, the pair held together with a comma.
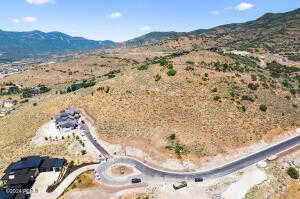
x: 190, y: 62
x: 263, y: 107
x: 214, y: 90
x: 293, y: 173
x: 157, y: 77
x: 171, y: 72
x: 189, y: 68
x: 242, y: 108
x: 253, y: 77
x: 171, y: 136
x: 293, y: 91
x: 248, y: 98
x: 83, y: 152
x: 83, y: 84
x: 143, y: 67
x: 217, y: 98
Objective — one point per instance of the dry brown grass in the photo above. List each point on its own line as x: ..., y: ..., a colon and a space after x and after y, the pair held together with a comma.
x: 140, y: 112
x: 68, y: 71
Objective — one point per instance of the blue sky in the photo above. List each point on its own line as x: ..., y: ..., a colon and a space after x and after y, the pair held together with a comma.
x: 121, y: 20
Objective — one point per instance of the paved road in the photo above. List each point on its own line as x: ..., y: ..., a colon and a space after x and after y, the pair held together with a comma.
x: 89, y: 136
x: 149, y: 172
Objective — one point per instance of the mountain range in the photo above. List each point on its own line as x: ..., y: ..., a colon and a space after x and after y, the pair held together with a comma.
x: 273, y: 32
x: 18, y: 45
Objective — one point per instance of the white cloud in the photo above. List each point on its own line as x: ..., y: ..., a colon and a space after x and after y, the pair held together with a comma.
x: 145, y: 28
x: 15, y: 20
x: 243, y: 6
x: 115, y: 15
x: 215, y: 12
x: 30, y: 19
x: 38, y: 2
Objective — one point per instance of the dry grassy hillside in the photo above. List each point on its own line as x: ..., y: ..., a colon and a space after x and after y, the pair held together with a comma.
x: 72, y: 70
x: 209, y: 111
x: 140, y: 111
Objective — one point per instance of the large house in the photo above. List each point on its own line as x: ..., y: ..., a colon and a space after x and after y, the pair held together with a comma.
x: 67, y: 119
x: 22, y: 174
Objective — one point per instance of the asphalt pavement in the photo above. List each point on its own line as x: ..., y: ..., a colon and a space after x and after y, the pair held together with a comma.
x: 149, y: 172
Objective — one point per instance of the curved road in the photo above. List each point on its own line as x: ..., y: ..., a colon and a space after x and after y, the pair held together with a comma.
x: 147, y: 171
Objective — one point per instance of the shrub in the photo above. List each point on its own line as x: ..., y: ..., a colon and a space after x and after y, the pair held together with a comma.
x: 83, y: 152
x: 263, y: 107
x: 143, y: 67
x: 253, y: 77
x: 253, y: 86
x: 189, y: 68
x: 171, y: 72
x: 190, y: 62
x: 217, y: 98
x: 106, y: 89
x: 242, y: 108
x: 293, y: 91
x: 46, y: 138
x: 288, y: 97
x: 34, y: 104
x: 170, y: 66
x: 293, y: 173
x: 171, y: 136
x: 83, y: 84
x: 214, y: 90
x: 248, y: 98
x: 157, y: 77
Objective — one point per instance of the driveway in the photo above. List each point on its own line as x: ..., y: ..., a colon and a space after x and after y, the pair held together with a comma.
x: 65, y: 184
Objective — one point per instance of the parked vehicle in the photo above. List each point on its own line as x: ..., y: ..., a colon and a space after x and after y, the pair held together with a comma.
x: 199, y: 179
x: 136, y: 180
x: 179, y: 185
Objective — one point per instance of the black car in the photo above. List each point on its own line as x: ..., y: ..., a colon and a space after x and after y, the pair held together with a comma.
x: 199, y: 179
x: 136, y: 180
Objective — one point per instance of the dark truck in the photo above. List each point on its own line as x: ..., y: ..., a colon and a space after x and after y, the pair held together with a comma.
x: 136, y: 180
x: 199, y: 179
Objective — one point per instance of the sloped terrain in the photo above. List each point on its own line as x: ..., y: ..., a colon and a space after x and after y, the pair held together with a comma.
x: 19, y: 45
x: 273, y: 32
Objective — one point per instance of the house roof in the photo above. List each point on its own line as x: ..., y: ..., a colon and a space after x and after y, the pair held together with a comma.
x: 23, y: 176
x: 68, y: 124
x: 18, y: 180
x: 53, y: 162
x: 70, y: 111
x: 17, y: 172
x: 5, y: 195
x: 28, y: 162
